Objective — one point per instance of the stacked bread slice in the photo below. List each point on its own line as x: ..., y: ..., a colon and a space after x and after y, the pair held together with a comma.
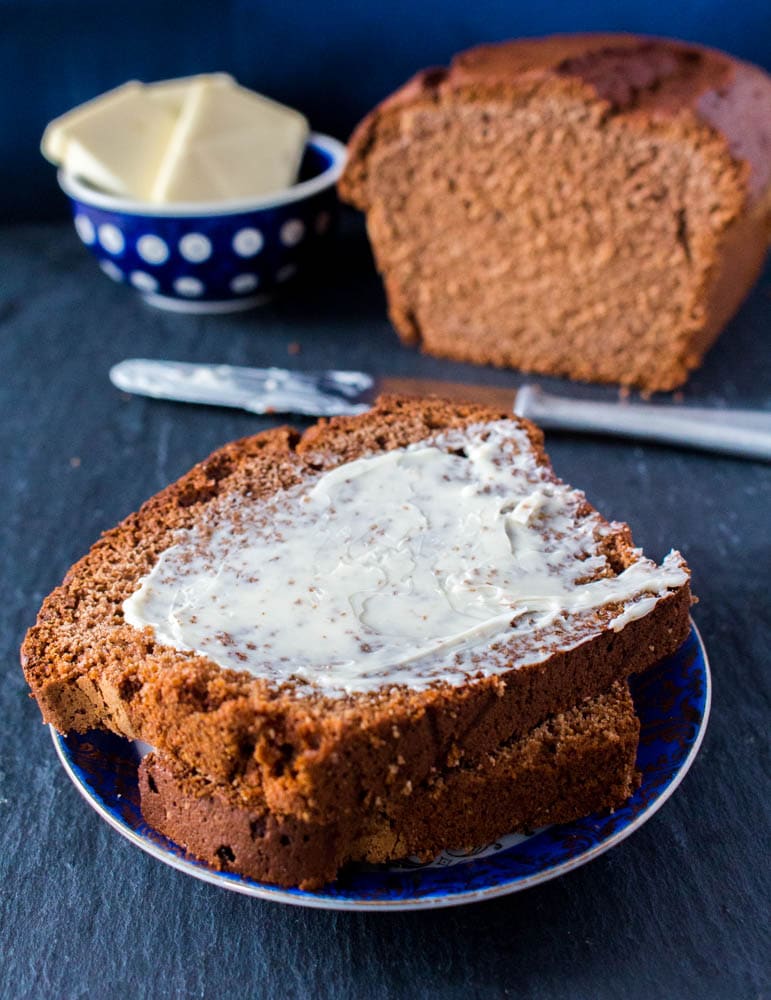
x: 394, y: 634
x: 575, y: 763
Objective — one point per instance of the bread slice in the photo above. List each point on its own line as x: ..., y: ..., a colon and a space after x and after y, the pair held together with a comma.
x: 318, y: 753
x: 593, y: 206
x: 576, y: 763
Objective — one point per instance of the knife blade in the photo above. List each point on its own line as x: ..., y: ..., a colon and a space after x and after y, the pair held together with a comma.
x: 744, y: 433
x: 277, y: 390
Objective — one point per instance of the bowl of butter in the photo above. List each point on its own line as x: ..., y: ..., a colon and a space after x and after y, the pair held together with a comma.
x: 202, y: 195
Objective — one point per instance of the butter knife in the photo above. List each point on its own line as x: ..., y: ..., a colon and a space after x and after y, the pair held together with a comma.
x: 744, y: 433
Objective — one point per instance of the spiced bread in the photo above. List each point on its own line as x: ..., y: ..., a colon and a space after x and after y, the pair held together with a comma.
x: 482, y: 596
x: 591, y: 206
x: 576, y: 763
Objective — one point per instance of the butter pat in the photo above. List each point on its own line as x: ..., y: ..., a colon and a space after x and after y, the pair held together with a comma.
x: 172, y: 94
x: 115, y: 142
x: 229, y: 142
x: 195, y: 139
x: 54, y: 143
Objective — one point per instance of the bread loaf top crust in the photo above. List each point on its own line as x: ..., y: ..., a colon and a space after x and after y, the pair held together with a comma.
x: 640, y: 78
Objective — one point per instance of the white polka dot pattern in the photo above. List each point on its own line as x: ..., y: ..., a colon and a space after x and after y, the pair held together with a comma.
x: 85, y: 229
x: 111, y: 270
x: 152, y: 249
x: 189, y: 287
x: 143, y: 281
x: 244, y: 283
x: 248, y: 242
x: 199, y: 259
x: 195, y: 247
x: 292, y: 232
x: 111, y: 238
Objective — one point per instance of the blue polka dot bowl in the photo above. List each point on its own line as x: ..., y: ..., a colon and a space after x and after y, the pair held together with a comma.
x: 211, y: 257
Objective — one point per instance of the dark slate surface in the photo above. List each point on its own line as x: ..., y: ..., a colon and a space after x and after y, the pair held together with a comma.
x: 678, y: 910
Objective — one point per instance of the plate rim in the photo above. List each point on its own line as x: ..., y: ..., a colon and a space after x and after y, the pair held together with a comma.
x: 294, y: 897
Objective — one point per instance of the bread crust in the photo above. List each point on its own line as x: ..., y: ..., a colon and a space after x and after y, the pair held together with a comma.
x: 309, y: 755
x: 665, y: 91
x: 576, y: 763
x: 729, y: 96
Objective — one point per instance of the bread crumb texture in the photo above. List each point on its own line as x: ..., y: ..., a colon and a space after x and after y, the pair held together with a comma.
x: 591, y: 206
x: 284, y: 747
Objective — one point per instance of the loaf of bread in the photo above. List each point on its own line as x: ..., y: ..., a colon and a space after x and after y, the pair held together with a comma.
x: 576, y: 763
x: 591, y: 206
x: 325, y: 621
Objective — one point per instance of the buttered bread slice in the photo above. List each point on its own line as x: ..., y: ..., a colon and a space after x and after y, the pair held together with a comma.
x: 325, y: 620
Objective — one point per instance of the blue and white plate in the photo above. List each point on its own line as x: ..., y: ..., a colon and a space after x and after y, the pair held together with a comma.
x: 672, y: 701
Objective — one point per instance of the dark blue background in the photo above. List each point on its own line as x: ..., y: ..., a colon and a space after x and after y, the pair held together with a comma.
x: 332, y: 60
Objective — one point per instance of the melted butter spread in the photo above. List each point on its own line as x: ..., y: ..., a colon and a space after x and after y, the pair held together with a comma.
x: 452, y: 558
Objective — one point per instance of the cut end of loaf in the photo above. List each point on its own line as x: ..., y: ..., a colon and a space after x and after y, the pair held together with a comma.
x: 568, y: 206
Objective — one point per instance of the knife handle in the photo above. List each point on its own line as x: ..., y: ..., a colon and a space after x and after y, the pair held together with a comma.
x: 745, y: 433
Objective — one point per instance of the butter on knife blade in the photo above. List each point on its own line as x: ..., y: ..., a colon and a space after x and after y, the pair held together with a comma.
x: 745, y: 433
x: 277, y: 390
